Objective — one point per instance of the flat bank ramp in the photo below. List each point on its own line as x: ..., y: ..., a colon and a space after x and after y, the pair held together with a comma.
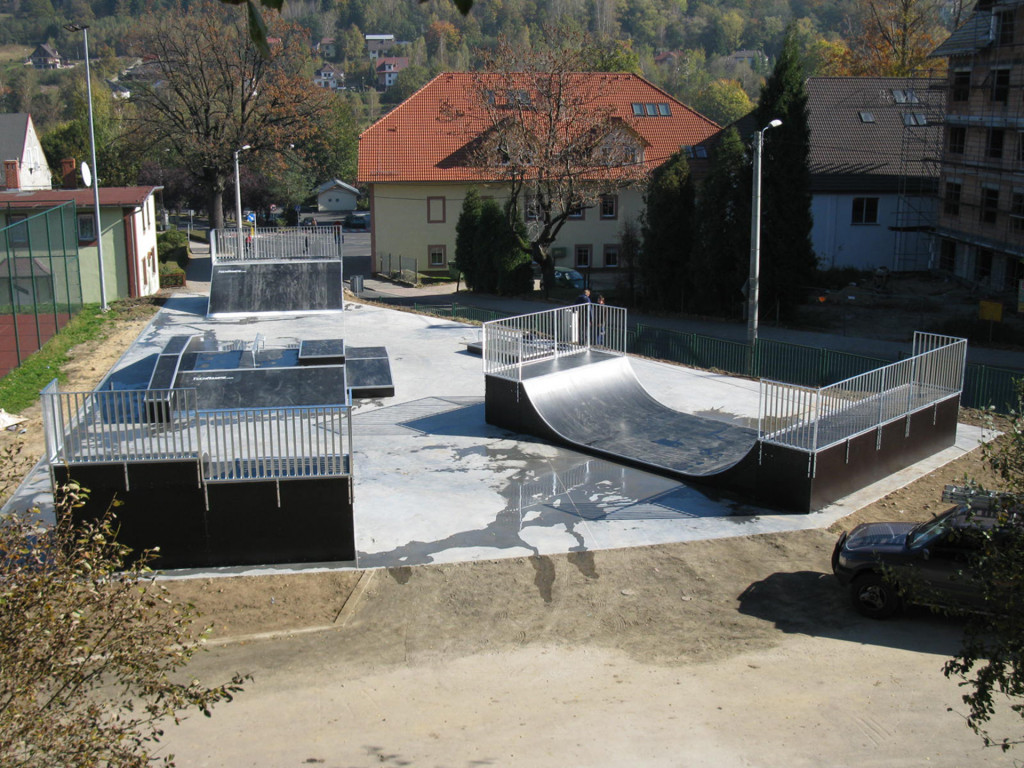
x: 253, y: 287
x: 601, y: 407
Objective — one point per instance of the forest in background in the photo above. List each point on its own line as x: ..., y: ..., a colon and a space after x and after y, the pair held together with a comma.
x: 858, y: 37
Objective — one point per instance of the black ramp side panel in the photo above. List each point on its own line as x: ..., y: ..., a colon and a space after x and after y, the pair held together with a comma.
x: 267, y: 387
x: 292, y: 286
x: 603, y: 407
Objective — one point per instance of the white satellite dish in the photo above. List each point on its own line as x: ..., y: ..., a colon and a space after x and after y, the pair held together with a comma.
x: 86, y: 174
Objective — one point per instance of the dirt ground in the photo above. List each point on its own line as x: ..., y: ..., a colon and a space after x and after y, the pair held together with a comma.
x: 690, y: 603
x: 889, y: 310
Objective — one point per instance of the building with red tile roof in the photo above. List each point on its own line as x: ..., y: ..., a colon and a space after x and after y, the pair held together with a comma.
x: 418, y: 163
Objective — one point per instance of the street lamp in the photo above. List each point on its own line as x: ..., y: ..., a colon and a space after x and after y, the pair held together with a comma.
x: 84, y: 29
x: 238, y: 198
x: 755, y: 239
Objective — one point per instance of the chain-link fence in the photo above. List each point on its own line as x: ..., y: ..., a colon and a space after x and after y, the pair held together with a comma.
x: 40, y: 281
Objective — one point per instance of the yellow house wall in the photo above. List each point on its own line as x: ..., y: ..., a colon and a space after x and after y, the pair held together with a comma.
x: 402, y: 225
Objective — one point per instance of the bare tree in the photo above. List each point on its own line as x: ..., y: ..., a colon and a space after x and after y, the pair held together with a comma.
x: 552, y: 139
x: 211, y: 92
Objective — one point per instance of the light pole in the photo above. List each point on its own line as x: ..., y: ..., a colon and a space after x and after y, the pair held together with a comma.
x: 84, y: 29
x: 755, y: 239
x: 238, y: 199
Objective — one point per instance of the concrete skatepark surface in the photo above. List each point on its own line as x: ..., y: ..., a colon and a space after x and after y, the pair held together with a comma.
x: 434, y: 483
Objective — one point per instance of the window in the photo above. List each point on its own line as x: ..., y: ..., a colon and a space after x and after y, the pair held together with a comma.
x: 438, y: 255
x: 583, y: 255
x: 866, y: 117
x: 994, y: 145
x: 1020, y: 148
x: 611, y: 255
x: 989, y: 204
x: 865, y: 210
x: 915, y: 118
x: 531, y: 211
x: 907, y: 96
x: 957, y: 139
x: 1004, y: 27
x: 661, y: 109
x: 518, y: 98
x: 1017, y: 211
x: 1000, y: 85
x: 951, y: 203
x: 983, y: 264
x: 609, y: 206
x: 435, y: 210
x: 577, y: 212
x: 947, y: 255
x: 961, y: 85
x: 18, y: 232
x: 86, y: 227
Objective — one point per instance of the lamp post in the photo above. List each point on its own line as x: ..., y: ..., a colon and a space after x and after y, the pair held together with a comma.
x: 238, y: 198
x: 84, y: 29
x: 755, y: 240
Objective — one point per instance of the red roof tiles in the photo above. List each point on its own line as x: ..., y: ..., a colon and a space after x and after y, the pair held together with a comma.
x: 419, y: 139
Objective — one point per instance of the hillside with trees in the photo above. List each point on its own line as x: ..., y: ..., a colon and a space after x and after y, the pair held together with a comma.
x: 714, y: 56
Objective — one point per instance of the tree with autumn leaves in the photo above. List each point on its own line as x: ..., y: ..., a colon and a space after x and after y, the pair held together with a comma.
x: 211, y: 92
x: 550, y: 140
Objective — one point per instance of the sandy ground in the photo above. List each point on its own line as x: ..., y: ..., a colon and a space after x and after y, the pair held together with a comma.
x: 741, y: 651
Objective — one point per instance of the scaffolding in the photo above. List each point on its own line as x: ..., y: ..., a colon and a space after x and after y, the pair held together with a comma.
x: 981, y: 222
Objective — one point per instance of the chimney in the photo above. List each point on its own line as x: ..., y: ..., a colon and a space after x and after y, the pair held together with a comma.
x: 67, y: 173
x: 12, y: 176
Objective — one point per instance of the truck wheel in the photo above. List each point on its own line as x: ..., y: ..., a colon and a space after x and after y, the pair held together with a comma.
x: 874, y: 597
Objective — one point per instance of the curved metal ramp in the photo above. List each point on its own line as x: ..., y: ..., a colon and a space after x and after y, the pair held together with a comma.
x: 596, y: 403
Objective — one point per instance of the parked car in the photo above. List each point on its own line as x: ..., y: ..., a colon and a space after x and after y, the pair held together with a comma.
x: 568, y: 278
x: 885, y: 565
x: 360, y: 221
x: 564, y: 277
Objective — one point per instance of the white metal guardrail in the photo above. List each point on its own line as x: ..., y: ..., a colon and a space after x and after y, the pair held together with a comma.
x: 162, y: 425
x: 276, y: 244
x: 511, y: 343
x: 812, y: 419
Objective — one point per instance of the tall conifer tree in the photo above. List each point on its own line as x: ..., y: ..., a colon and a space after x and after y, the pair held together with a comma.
x: 787, y: 257
x: 720, y: 263
x: 668, y: 236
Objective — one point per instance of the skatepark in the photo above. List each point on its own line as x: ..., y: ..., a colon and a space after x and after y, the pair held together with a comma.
x: 433, y: 481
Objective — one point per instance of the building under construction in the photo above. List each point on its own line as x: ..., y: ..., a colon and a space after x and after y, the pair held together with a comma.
x: 981, y: 218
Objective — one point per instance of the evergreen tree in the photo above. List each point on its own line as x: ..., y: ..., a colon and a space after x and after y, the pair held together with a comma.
x: 668, y: 236
x: 787, y: 258
x: 496, y: 251
x: 465, y: 237
x: 720, y: 263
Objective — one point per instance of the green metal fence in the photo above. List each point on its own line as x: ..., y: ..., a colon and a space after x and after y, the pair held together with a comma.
x: 984, y: 386
x: 461, y: 312
x: 40, y: 281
